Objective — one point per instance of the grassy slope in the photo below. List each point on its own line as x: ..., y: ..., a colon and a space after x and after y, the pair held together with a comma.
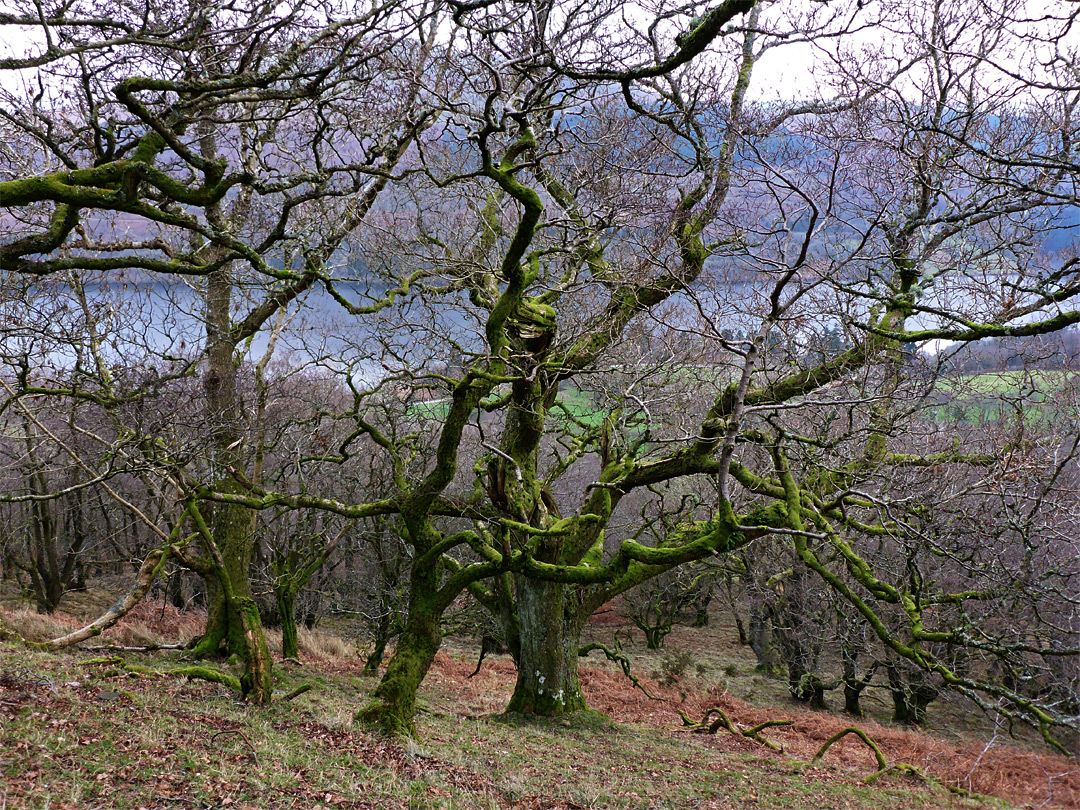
x: 79, y: 735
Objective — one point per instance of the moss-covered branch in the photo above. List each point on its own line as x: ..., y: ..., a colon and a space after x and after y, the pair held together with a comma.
x: 878, y: 756
x: 707, y: 726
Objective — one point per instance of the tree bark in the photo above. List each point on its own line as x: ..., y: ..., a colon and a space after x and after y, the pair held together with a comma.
x: 232, y: 528
x: 853, y: 687
x: 245, y: 627
x: 550, y: 620
x: 151, y: 567
x: 761, y: 642
x: 256, y: 682
x: 286, y: 605
x: 911, y: 695
x: 382, y: 636
x: 393, y: 703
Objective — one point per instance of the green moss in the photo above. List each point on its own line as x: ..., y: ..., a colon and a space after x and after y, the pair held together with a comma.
x: 773, y: 515
x: 393, y: 703
x: 383, y: 717
x: 207, y: 674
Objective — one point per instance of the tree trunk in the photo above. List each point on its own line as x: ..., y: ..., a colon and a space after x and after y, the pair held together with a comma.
x: 701, y: 608
x: 911, y: 693
x: 744, y: 640
x: 393, y: 703
x: 44, y: 565
x: 286, y: 605
x: 853, y: 687
x: 246, y: 639
x: 225, y: 632
x: 761, y: 642
x: 256, y: 682
x: 231, y: 526
x: 550, y: 622
x: 292, y: 571
x: 175, y: 590
x: 244, y: 629
x: 382, y: 636
x: 901, y: 710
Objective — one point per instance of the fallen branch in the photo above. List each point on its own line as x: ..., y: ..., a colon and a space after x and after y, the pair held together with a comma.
x: 903, y: 767
x: 251, y: 745
x: 112, y: 659
x: 723, y: 721
x: 298, y: 691
x: 122, y: 648
x: 151, y: 567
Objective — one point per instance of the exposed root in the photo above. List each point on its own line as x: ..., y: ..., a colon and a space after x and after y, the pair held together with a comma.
x: 880, y: 757
x: 723, y: 721
x: 884, y: 768
x: 206, y: 674
x: 199, y: 672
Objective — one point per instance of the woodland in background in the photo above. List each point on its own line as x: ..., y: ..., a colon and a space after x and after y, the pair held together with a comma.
x: 489, y: 313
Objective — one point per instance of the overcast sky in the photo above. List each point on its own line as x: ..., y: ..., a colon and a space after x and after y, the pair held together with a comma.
x: 793, y: 71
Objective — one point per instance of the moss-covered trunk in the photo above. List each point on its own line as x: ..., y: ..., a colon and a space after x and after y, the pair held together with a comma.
x: 232, y: 528
x: 393, y: 703
x: 232, y: 622
x: 233, y: 625
x: 550, y: 633
x: 244, y: 626
x: 256, y: 682
x: 761, y: 641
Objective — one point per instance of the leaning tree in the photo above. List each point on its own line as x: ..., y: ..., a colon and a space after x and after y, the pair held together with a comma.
x: 578, y: 192
x: 612, y: 194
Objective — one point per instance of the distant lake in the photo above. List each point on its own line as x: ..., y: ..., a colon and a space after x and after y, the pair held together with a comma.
x: 146, y: 317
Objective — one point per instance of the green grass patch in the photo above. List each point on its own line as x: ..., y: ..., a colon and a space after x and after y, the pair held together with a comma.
x: 1034, y: 396
x: 1036, y: 383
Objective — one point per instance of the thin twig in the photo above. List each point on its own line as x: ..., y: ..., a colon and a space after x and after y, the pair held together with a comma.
x: 251, y: 745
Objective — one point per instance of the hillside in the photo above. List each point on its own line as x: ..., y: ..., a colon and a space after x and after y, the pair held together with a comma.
x: 76, y: 733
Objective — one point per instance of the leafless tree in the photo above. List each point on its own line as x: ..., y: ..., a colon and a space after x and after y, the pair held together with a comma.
x: 596, y: 192
x: 236, y: 147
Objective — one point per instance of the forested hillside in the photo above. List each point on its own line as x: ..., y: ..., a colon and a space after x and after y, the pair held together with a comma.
x: 421, y: 320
